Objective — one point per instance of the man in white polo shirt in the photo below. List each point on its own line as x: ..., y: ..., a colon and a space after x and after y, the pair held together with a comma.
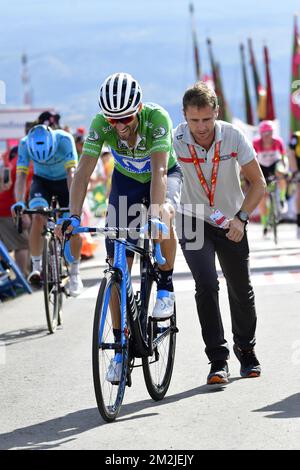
x: 211, y: 153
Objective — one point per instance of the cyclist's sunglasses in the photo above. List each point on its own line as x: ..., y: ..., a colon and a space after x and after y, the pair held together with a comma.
x: 125, y: 120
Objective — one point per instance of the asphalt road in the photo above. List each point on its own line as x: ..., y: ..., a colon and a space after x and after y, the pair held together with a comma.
x: 46, y: 392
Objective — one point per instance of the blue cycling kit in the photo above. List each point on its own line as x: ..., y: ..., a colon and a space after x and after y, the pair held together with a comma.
x: 55, y: 168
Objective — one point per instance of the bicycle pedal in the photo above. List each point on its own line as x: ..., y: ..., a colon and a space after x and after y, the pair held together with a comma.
x: 156, y: 320
x: 36, y: 286
x: 128, y: 381
x: 117, y: 382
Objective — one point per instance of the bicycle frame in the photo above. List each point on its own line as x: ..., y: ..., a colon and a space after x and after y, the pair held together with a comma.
x: 128, y: 299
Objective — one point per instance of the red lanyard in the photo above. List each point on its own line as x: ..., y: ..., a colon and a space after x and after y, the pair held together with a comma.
x: 216, y: 160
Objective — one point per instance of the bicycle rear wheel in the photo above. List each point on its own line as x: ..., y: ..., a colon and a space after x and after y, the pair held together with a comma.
x: 63, y: 281
x: 109, y: 395
x: 52, y: 291
x: 158, y: 368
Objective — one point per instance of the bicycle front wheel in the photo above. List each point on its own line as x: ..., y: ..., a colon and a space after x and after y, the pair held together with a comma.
x: 274, y: 217
x: 109, y: 392
x: 52, y: 291
x: 158, y: 368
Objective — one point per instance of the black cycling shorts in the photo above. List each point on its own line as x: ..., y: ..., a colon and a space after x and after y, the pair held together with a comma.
x: 41, y: 187
x: 268, y: 170
x: 127, y: 195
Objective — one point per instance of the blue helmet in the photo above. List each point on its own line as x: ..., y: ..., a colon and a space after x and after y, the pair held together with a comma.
x: 41, y: 143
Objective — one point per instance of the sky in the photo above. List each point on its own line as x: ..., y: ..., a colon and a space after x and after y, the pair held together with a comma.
x: 73, y: 45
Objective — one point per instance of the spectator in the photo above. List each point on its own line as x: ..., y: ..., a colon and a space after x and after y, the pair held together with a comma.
x: 211, y: 153
x: 49, y: 119
x: 79, y: 137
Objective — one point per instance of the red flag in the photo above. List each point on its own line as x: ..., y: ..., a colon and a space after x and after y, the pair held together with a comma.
x: 270, y: 111
x: 195, y: 45
x: 295, y: 81
x: 248, y: 106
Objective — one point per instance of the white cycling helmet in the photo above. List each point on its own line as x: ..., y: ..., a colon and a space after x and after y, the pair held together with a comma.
x: 120, y: 95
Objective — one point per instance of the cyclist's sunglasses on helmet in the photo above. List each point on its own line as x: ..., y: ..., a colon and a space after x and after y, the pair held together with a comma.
x: 125, y: 120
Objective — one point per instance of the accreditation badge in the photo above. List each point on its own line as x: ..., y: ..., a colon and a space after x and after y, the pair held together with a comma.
x: 220, y: 219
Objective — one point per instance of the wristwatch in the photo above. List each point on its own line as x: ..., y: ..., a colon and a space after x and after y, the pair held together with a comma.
x: 243, y: 216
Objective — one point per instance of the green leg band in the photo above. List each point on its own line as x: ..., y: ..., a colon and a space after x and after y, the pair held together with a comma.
x: 264, y: 219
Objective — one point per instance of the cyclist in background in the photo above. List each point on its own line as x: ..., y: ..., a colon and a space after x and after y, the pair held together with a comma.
x: 294, y: 157
x: 54, y: 158
x: 273, y: 161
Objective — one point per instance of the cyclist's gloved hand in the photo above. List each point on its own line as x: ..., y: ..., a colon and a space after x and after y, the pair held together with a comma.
x: 69, y: 223
x: 156, y: 227
x: 17, y: 207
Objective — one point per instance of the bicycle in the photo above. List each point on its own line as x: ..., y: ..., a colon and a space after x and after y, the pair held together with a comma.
x: 141, y: 335
x: 55, y: 274
x: 273, y: 209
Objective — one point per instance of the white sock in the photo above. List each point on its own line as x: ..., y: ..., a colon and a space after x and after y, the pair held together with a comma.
x: 74, y: 268
x: 36, y: 263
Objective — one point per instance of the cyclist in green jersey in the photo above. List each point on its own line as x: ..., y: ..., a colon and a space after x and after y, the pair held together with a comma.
x: 140, y: 138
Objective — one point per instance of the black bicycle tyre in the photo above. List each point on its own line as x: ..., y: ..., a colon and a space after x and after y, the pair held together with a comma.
x: 51, y: 309
x: 109, y: 414
x: 61, y: 264
x: 157, y: 392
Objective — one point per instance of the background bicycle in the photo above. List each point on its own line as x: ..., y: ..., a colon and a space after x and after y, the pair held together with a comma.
x: 55, y: 275
x: 273, y: 207
x: 275, y: 213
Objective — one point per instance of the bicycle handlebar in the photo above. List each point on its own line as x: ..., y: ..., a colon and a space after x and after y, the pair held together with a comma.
x: 295, y: 178
x: 18, y: 220
x: 46, y: 211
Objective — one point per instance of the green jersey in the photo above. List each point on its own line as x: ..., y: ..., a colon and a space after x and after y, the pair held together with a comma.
x: 154, y: 134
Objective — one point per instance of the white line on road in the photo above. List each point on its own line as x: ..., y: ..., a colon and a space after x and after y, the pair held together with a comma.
x: 187, y: 285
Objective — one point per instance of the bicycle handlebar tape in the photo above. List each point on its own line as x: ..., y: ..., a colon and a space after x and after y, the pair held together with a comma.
x: 38, y: 202
x: 159, y: 258
x: 67, y: 253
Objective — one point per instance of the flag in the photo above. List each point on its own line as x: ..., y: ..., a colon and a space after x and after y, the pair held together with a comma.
x: 270, y: 109
x: 260, y: 91
x: 262, y: 103
x: 295, y: 81
x: 224, y: 113
x: 256, y: 79
x: 248, y: 107
x: 195, y: 45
